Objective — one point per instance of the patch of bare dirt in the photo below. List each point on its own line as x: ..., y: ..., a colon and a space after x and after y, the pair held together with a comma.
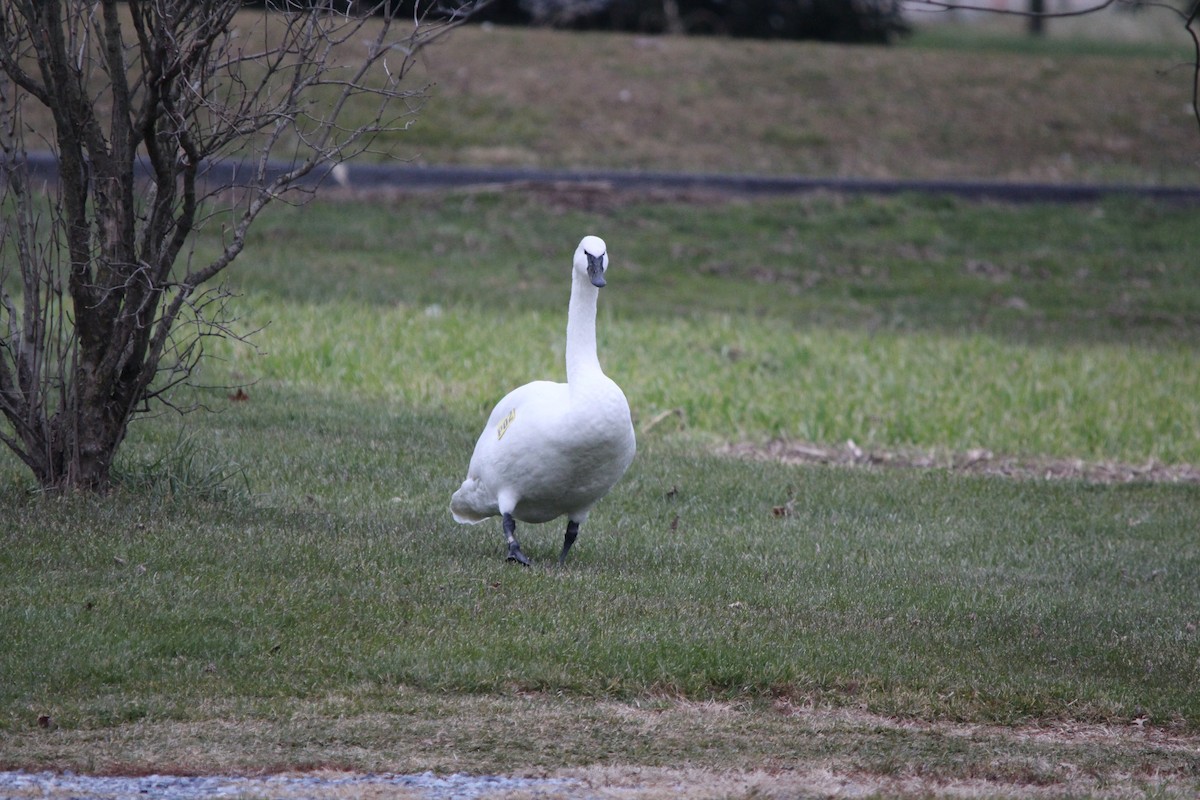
x: 1070, y: 759
x: 640, y: 783
x: 976, y: 462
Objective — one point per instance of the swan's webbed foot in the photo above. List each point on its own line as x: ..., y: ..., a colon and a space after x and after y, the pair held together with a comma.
x: 515, y: 554
x: 514, y: 547
x: 568, y: 540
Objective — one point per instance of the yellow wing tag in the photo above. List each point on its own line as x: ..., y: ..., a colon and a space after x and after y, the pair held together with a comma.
x: 502, y: 428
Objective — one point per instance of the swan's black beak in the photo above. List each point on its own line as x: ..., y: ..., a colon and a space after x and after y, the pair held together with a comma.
x: 596, y: 269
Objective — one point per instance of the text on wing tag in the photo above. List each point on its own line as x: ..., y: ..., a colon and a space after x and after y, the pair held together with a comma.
x: 504, y: 423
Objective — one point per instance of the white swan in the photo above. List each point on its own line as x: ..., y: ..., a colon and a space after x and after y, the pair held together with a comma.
x: 548, y: 448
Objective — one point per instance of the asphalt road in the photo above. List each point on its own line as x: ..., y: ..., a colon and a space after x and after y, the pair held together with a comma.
x: 407, y: 177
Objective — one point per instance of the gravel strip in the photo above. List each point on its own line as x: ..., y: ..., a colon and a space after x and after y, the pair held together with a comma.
x: 427, y: 786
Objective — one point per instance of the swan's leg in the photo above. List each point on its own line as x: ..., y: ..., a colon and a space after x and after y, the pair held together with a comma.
x: 568, y: 540
x: 514, y: 547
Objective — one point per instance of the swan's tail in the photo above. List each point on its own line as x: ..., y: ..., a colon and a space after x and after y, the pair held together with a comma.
x: 469, y: 505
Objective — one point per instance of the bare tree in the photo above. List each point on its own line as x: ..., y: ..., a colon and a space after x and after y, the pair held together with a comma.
x: 103, y: 305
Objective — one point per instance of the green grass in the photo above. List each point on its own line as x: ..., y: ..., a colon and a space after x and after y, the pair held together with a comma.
x: 920, y: 594
x: 296, y: 546
x: 1136, y: 36
x: 279, y: 585
x: 883, y: 389
x: 339, y: 619
x: 1120, y: 271
x: 901, y: 322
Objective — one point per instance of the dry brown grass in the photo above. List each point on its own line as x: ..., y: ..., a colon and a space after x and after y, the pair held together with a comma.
x: 531, y: 97
x: 657, y: 748
x: 534, y: 97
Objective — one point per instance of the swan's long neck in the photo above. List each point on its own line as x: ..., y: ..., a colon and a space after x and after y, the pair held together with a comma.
x: 582, y: 361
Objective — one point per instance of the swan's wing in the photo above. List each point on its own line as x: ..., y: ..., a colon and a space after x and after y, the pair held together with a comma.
x: 516, y: 425
x: 534, y: 398
x: 503, y: 451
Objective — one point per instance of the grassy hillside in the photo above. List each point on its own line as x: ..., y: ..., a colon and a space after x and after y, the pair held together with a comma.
x: 533, y: 97
x: 952, y: 102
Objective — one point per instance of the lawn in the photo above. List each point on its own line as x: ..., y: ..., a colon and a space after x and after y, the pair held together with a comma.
x: 277, y: 584
x: 287, y: 564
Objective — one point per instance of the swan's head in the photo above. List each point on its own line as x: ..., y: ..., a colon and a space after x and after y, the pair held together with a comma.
x: 591, y: 259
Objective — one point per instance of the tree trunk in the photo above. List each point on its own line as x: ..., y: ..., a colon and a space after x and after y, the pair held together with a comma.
x: 1037, y: 20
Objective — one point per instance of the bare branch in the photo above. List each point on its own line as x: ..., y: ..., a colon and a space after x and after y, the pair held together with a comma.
x: 950, y: 5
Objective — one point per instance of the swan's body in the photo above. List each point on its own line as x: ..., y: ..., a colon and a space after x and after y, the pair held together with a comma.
x: 550, y: 449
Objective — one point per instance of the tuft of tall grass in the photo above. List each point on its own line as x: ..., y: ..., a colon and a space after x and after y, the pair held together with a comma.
x: 188, y: 467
